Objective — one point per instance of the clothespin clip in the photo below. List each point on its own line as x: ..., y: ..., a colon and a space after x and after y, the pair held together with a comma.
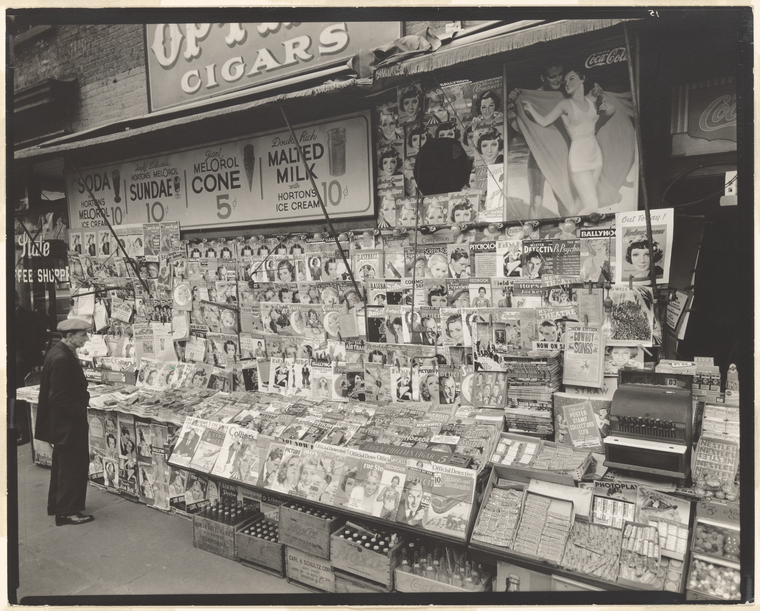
x: 630, y: 282
x: 644, y: 350
x: 590, y: 286
x: 585, y: 321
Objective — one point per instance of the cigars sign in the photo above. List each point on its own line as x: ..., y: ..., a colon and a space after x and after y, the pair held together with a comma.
x: 187, y: 62
x: 260, y: 180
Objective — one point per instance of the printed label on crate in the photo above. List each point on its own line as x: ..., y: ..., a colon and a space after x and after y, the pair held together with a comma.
x: 310, y: 570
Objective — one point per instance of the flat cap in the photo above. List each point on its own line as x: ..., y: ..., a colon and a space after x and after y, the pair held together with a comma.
x: 74, y: 324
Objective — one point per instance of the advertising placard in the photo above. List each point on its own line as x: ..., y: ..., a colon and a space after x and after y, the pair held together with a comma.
x: 260, y: 179
x: 188, y: 62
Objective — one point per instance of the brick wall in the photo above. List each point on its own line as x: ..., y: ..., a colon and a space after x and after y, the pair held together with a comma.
x: 107, y: 62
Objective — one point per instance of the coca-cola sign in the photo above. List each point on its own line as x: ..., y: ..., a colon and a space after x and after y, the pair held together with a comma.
x: 712, y: 112
x: 606, y: 57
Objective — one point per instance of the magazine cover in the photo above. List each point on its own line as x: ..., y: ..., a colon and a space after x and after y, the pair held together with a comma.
x: 584, y: 355
x: 391, y: 485
x: 451, y: 500
x: 415, y: 496
x: 367, y: 486
x: 632, y: 317
x: 209, y: 446
x: 187, y: 441
x: 196, y: 488
x: 633, y: 249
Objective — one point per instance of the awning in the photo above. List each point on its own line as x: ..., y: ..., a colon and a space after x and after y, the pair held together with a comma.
x: 455, y: 50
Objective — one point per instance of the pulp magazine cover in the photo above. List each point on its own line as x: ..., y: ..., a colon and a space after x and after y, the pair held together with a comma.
x: 450, y: 500
x: 187, y: 441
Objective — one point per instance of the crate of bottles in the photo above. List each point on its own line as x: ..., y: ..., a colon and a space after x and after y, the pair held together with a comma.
x: 307, y: 529
x: 369, y: 553
x: 440, y: 569
x: 214, y: 527
x: 258, y: 544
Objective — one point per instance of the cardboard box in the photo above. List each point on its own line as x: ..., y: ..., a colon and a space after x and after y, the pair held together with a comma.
x: 309, y: 570
x: 496, y: 472
x: 308, y: 533
x: 259, y: 552
x: 409, y: 582
x: 216, y: 537
x: 351, y: 557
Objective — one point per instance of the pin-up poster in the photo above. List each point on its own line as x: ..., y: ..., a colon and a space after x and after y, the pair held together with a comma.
x: 260, y: 179
x: 571, y: 137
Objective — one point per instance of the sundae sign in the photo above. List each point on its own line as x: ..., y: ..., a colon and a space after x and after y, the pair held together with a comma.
x: 187, y: 62
x: 260, y: 179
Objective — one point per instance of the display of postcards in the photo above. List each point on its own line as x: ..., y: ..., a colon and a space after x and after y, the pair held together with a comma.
x: 480, y: 293
x: 151, y: 238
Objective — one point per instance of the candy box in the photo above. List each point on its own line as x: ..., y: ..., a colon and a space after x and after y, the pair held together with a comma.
x: 716, y: 531
x: 639, y: 556
x: 712, y: 579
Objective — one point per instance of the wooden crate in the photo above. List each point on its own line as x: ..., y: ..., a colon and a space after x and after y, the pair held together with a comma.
x: 351, y: 557
x: 409, y: 582
x: 309, y: 570
x: 351, y: 584
x: 305, y: 532
x: 216, y: 537
x: 259, y: 553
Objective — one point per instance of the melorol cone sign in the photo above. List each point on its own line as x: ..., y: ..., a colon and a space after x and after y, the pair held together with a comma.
x: 259, y: 179
x: 188, y: 62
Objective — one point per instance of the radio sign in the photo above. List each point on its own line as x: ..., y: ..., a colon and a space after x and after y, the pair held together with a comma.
x: 188, y: 62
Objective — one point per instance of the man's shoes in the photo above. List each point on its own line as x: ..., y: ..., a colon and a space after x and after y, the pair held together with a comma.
x: 51, y: 512
x: 75, y: 519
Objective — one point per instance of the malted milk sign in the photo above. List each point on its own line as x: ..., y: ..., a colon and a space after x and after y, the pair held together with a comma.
x: 187, y: 62
x: 259, y: 179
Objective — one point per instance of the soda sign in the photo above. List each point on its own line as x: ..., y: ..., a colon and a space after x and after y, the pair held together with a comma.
x: 712, y: 112
x: 187, y: 62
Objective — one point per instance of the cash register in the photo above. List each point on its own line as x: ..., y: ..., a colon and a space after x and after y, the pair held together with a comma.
x: 650, y: 430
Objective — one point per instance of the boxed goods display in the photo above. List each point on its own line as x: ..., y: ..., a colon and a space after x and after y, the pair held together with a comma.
x: 712, y: 579
x: 715, y: 465
x: 527, y: 457
x: 307, y: 529
x: 593, y: 550
x: 544, y: 527
x: 258, y: 544
x: 639, y: 556
x: 368, y: 553
x: 716, y: 531
x: 309, y: 570
x: 499, y: 514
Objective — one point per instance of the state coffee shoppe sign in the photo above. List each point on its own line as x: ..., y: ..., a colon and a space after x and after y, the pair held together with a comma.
x: 187, y: 62
x: 259, y: 180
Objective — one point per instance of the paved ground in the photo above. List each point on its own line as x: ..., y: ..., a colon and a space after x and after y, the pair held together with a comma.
x: 129, y: 550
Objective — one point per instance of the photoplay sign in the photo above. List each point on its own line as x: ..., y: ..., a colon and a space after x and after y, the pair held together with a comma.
x: 260, y: 180
x: 187, y: 62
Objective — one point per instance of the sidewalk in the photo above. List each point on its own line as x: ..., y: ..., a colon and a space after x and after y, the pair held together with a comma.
x: 129, y: 549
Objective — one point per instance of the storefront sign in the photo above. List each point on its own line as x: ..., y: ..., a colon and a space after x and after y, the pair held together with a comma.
x: 187, y: 62
x: 712, y: 112
x: 256, y: 180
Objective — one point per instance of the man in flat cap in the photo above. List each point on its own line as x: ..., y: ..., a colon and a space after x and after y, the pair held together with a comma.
x: 62, y: 421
